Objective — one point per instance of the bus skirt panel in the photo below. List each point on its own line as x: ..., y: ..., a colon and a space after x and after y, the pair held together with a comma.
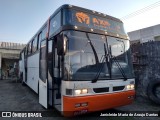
x: 73, y: 106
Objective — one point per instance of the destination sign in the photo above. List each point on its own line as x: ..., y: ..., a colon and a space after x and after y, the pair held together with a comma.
x: 83, y: 19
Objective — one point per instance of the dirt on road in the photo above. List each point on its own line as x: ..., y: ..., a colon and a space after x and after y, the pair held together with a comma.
x: 15, y: 97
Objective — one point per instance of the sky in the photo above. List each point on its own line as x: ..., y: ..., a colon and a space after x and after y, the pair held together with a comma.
x: 21, y: 19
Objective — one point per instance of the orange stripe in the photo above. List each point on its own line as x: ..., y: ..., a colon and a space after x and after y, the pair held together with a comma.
x: 96, y: 102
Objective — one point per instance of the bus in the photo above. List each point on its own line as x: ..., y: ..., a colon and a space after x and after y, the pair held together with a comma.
x: 79, y: 62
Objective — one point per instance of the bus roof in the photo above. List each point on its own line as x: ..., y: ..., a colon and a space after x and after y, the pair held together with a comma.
x: 77, y: 18
x: 92, y: 14
x: 67, y: 6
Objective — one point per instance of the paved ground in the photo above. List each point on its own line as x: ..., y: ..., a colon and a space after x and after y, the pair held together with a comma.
x: 15, y: 97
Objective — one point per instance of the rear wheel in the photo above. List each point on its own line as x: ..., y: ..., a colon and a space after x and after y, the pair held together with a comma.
x: 153, y: 91
x: 21, y: 77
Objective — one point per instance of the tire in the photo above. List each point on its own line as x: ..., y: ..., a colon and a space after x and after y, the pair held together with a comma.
x: 153, y: 91
x: 21, y: 77
x: 38, y: 89
x: 23, y: 83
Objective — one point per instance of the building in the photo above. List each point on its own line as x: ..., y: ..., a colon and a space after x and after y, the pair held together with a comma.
x: 145, y: 35
x: 145, y: 47
x: 9, y: 56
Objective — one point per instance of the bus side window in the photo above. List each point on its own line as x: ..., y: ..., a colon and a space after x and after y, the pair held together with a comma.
x: 42, y: 35
x: 43, y: 65
x: 26, y: 51
x: 39, y: 39
x: 20, y: 56
x: 29, y: 50
x: 34, y: 45
x: 44, y: 32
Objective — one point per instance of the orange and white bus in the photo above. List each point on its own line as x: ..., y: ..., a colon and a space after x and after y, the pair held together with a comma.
x: 79, y: 62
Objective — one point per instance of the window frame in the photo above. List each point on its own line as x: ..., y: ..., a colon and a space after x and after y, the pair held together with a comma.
x: 34, y: 44
x: 29, y: 48
x: 43, y: 62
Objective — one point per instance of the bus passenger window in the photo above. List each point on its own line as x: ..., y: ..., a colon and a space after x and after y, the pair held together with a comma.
x: 29, y: 49
x: 39, y: 39
x: 43, y: 66
x: 25, y: 51
x: 55, y: 23
x: 34, y: 45
x: 44, y: 32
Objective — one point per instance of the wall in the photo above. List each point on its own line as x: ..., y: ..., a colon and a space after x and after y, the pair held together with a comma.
x: 146, y: 61
x: 145, y: 34
x: 9, y: 54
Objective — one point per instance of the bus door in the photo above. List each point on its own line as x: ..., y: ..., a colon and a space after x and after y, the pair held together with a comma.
x: 54, y: 81
x: 50, y: 72
x: 57, y: 79
x: 43, y: 82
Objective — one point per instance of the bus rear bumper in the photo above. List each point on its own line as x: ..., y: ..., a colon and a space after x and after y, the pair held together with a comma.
x: 79, y: 105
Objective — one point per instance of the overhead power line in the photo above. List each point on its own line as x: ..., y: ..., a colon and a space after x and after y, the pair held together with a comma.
x: 141, y: 10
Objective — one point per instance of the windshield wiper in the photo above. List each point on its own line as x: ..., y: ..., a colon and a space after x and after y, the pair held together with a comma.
x: 107, y: 58
x: 120, y: 68
x: 99, y: 71
x: 93, y: 48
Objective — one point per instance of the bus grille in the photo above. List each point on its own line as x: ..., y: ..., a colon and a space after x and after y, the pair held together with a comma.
x: 100, y: 90
x: 118, y: 88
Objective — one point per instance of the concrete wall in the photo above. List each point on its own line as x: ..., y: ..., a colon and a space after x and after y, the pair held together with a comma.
x: 9, y: 54
x: 146, y: 34
x: 9, y: 45
x: 146, y: 58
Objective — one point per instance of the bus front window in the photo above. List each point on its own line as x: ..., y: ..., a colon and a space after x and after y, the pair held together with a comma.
x: 120, y: 51
x: 81, y: 62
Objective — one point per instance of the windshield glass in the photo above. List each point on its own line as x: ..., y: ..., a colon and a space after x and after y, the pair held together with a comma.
x: 81, y: 62
x: 120, y: 50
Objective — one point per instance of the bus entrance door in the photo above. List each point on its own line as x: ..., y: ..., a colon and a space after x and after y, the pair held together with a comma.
x: 54, y: 81
x: 43, y: 82
x: 57, y: 80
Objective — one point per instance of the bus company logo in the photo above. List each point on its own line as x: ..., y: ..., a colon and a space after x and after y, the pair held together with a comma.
x: 100, y: 23
x: 83, y: 18
x: 6, y: 114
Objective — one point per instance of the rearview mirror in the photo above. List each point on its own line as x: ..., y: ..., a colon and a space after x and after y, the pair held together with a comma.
x: 61, y: 44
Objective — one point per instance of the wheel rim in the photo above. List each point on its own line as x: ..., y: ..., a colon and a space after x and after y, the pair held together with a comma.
x: 157, y: 91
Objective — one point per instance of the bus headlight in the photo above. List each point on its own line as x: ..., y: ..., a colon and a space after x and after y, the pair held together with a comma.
x: 77, y: 92
x: 84, y: 91
x: 130, y: 87
x: 81, y: 91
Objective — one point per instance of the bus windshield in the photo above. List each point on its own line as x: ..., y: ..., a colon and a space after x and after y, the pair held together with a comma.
x: 81, y: 62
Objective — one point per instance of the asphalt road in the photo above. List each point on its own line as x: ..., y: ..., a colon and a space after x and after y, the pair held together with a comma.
x: 15, y: 97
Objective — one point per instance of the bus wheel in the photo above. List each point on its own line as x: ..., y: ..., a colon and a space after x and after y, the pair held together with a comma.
x: 38, y: 89
x: 153, y: 91
x: 23, y: 83
x: 21, y: 77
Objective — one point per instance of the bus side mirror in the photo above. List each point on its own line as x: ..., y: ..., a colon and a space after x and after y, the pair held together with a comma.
x: 61, y: 44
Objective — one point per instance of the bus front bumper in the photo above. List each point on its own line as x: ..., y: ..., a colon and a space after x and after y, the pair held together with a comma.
x: 79, y: 105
